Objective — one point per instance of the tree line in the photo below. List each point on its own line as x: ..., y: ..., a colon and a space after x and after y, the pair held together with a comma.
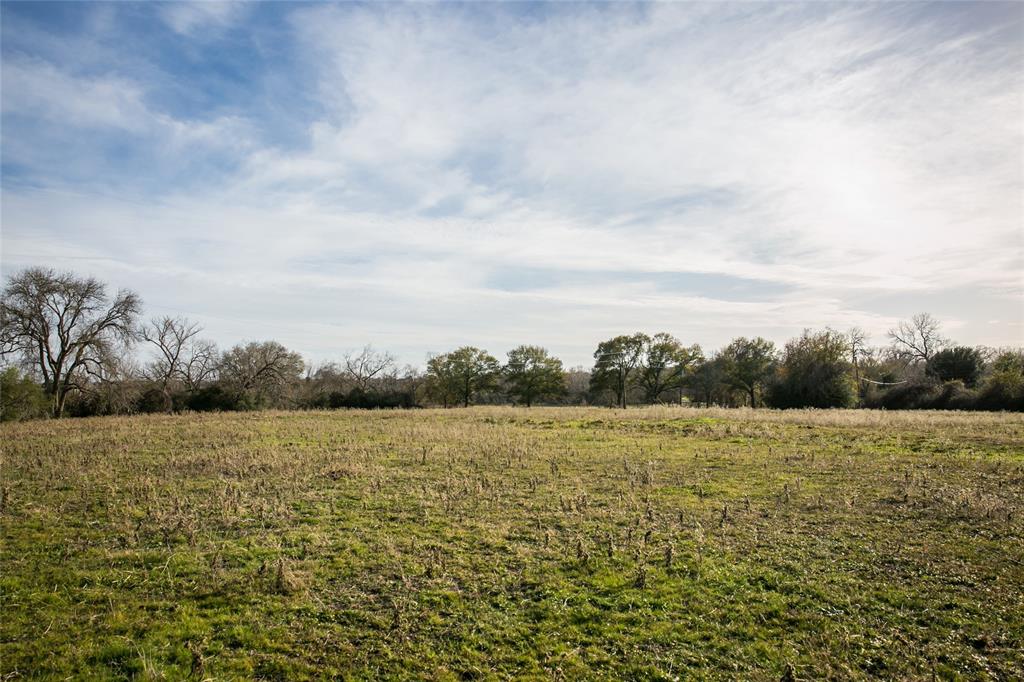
x: 70, y: 348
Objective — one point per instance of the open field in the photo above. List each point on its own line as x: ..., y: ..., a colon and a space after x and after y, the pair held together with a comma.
x: 495, y: 542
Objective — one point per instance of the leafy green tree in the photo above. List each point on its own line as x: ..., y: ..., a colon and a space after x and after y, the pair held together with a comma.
x: 20, y: 397
x: 615, y: 361
x: 663, y: 365
x: 706, y: 380
x: 748, y: 365
x: 1003, y: 387
x: 461, y: 375
x: 1010, y: 361
x: 532, y: 374
x: 815, y: 371
x: 960, y: 363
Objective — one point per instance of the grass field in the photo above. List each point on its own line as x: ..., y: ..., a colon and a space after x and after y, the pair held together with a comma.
x: 496, y: 543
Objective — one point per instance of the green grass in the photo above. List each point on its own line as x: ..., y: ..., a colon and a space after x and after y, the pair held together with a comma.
x: 498, y: 543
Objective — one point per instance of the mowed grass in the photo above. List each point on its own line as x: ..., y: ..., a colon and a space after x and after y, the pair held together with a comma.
x: 499, y: 543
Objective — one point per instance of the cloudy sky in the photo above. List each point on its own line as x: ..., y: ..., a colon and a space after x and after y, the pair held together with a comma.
x: 426, y: 176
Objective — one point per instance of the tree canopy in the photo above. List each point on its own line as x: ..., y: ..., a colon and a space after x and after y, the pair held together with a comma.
x: 960, y: 363
x: 663, y: 365
x: 64, y: 338
x: 614, y: 363
x: 748, y: 365
x: 461, y: 375
x: 531, y: 374
x: 815, y: 371
x: 260, y: 372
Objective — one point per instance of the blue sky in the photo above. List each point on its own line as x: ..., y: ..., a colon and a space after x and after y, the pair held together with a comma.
x: 430, y: 175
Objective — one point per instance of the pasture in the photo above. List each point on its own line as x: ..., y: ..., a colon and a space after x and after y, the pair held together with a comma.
x: 495, y: 543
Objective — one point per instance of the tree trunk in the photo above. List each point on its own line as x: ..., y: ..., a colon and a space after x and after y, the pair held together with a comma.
x: 59, y: 397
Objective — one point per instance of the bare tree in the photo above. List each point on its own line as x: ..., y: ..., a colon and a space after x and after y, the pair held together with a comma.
x: 64, y: 325
x: 918, y: 339
x: 113, y: 386
x: 171, y: 337
x: 261, y: 372
x: 577, y: 382
x: 858, y: 339
x: 199, y: 364
x: 366, y: 365
x: 182, y: 358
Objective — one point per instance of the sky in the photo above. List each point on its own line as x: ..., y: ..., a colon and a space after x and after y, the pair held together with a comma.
x: 426, y: 176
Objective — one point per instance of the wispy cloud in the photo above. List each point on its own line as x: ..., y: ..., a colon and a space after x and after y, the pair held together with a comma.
x: 42, y: 90
x: 190, y: 18
x: 833, y: 153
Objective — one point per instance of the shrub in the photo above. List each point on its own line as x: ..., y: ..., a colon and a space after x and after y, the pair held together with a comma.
x: 20, y: 397
x: 955, y: 396
x: 909, y: 396
x: 152, y: 401
x: 1003, y: 388
x: 961, y: 363
x: 215, y: 398
x: 367, y: 400
x: 814, y: 373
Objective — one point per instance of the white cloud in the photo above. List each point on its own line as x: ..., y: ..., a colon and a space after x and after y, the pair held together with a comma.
x: 833, y: 153
x: 36, y: 88
x: 190, y: 18
x: 834, y: 138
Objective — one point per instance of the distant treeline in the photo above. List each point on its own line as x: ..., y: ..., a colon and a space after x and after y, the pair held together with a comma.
x: 71, y: 349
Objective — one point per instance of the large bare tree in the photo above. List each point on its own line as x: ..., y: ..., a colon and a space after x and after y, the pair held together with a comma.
x: 858, y: 340
x: 64, y: 326
x: 366, y: 365
x: 182, y: 359
x: 199, y: 364
x: 918, y: 339
x: 261, y: 372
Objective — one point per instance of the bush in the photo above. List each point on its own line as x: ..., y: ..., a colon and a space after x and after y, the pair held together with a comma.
x: 215, y: 399
x: 955, y: 396
x: 20, y: 397
x: 961, y: 363
x: 814, y: 373
x: 368, y: 400
x: 1002, y: 391
x: 909, y: 396
x: 152, y: 401
x: 1003, y: 388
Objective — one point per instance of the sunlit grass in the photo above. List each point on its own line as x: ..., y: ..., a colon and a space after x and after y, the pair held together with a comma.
x: 500, y: 542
